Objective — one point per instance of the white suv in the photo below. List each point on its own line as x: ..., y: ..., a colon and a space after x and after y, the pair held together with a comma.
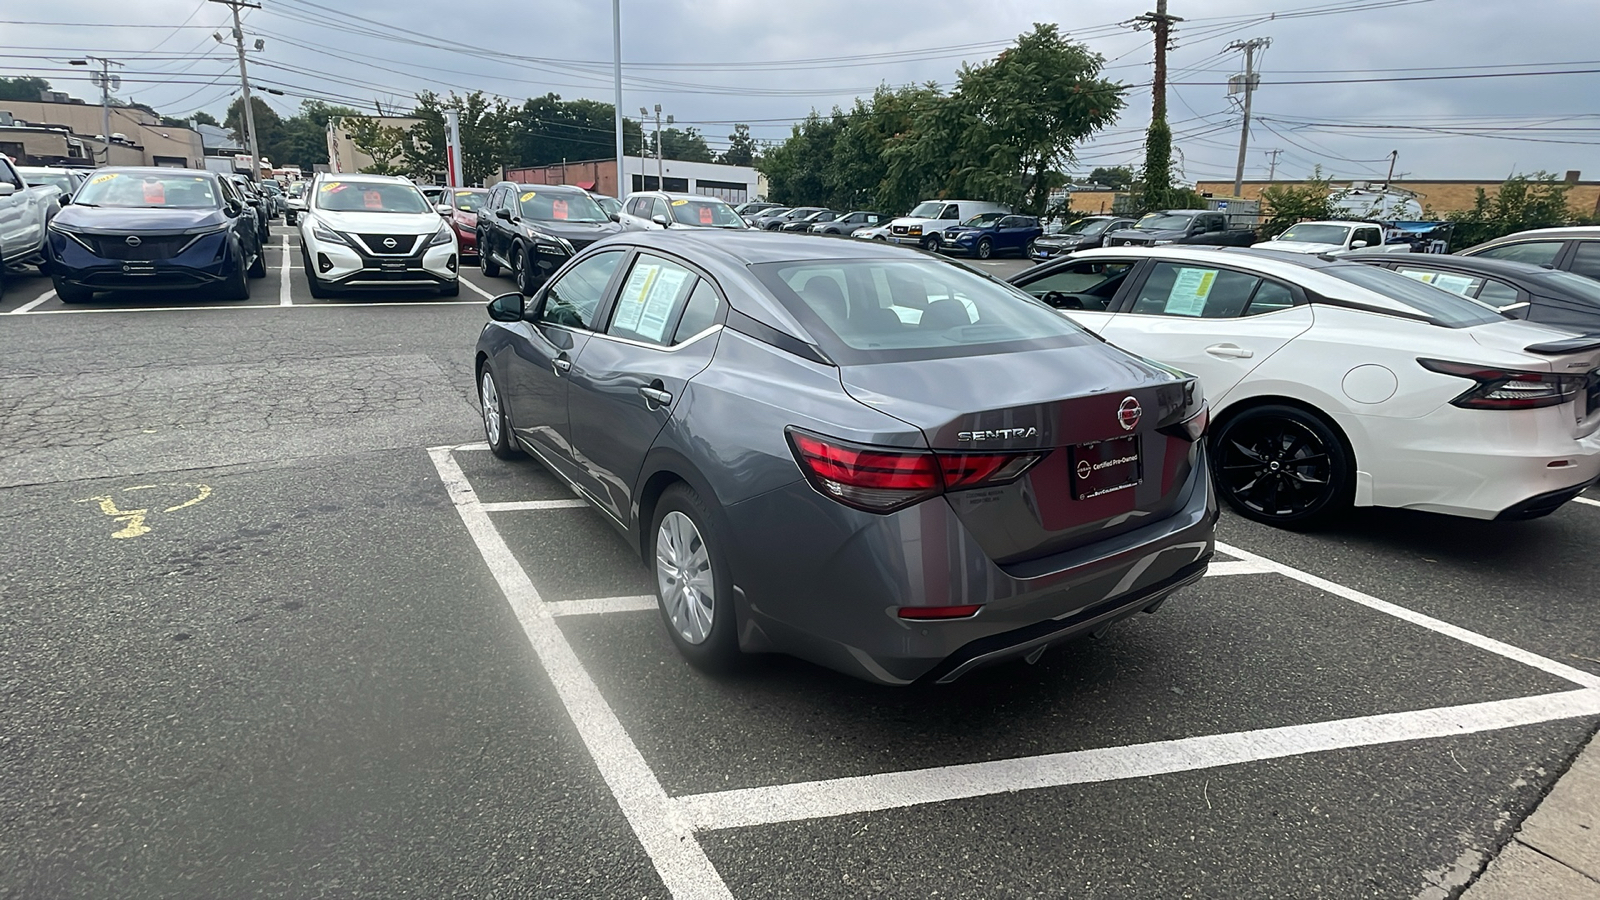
x: 371, y: 232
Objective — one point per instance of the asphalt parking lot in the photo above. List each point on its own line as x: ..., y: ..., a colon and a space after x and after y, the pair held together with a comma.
x: 277, y: 625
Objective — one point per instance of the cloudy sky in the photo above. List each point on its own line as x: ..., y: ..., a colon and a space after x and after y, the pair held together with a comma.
x: 1375, y: 75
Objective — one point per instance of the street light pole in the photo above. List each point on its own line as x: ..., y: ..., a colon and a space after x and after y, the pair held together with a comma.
x: 616, y: 72
x: 244, y: 83
x: 104, y: 77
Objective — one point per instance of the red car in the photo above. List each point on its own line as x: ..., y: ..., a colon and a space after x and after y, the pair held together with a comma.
x: 464, y: 203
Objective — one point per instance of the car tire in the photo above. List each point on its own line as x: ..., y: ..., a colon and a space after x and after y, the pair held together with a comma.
x: 1029, y: 251
x: 288, y: 218
x: 453, y: 289
x: 258, y: 268
x: 1282, y: 465
x: 985, y: 248
x: 522, y: 272
x: 694, y: 590
x: 489, y: 267
x: 496, y: 424
x: 237, y: 285
x: 317, y: 290
x: 71, y: 293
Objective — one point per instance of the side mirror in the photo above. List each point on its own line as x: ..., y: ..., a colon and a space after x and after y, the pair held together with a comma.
x: 7, y: 188
x: 503, y: 213
x: 1357, y: 245
x: 233, y: 209
x: 253, y: 201
x: 660, y: 220
x: 615, y: 217
x: 444, y: 209
x: 64, y: 199
x: 507, y: 307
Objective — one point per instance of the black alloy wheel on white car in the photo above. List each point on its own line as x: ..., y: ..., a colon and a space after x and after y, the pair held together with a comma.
x: 1283, y: 466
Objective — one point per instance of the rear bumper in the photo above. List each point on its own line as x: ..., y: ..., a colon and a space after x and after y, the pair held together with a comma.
x: 825, y: 583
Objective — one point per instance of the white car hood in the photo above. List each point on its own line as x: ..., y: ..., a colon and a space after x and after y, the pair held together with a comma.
x: 1296, y: 247
x: 381, y: 223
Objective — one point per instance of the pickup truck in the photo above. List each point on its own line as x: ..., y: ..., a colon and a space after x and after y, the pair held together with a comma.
x: 1333, y: 238
x: 24, y: 213
x: 1182, y: 226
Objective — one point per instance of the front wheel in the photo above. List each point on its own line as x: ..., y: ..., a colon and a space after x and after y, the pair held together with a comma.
x: 453, y: 289
x: 496, y: 424
x: 237, y: 285
x: 258, y: 268
x: 985, y: 248
x: 692, y: 581
x: 288, y: 218
x: 522, y: 272
x: 1283, y: 466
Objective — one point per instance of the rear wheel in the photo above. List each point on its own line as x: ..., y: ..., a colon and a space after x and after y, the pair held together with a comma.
x: 985, y: 248
x: 496, y: 425
x: 692, y: 582
x: 489, y: 267
x: 1283, y: 466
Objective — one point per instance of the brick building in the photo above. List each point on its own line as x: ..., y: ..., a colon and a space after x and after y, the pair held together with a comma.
x: 1440, y: 197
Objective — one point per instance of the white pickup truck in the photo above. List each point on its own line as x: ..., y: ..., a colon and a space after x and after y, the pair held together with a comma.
x: 1334, y: 238
x: 24, y: 213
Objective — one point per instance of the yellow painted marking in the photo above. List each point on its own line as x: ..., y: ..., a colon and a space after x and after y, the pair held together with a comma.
x: 132, y: 520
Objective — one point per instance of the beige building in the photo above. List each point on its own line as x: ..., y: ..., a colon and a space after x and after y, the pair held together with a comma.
x: 1439, y: 197
x: 343, y: 155
x: 148, y: 142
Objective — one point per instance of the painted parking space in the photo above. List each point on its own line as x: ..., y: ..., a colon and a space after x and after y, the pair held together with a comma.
x: 1234, y: 672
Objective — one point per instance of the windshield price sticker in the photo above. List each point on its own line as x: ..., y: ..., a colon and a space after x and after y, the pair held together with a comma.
x: 372, y: 199
x: 558, y: 209
x: 1189, y: 291
x: 102, y: 178
x: 705, y: 215
x: 647, y: 299
x: 679, y: 202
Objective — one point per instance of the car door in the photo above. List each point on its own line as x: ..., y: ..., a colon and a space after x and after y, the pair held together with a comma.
x: 15, y: 209
x: 1211, y: 321
x: 488, y: 227
x: 1084, y: 289
x: 560, y: 323
x: 629, y: 377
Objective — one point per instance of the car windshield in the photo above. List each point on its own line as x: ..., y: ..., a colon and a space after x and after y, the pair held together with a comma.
x: 1087, y: 226
x: 1586, y: 289
x: 371, y: 196
x: 560, y: 206
x: 1315, y: 234
x: 135, y: 190
x: 874, y: 310
x: 54, y: 179
x: 774, y: 212
x: 297, y: 189
x: 705, y: 212
x: 927, y: 209
x: 1163, y: 222
x: 1436, y: 304
x: 469, y: 201
x: 983, y: 218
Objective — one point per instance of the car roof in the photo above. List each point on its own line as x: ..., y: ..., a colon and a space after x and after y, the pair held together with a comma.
x: 745, y: 248
x: 673, y: 195
x: 362, y: 176
x: 559, y: 188
x: 1567, y: 231
x: 1507, y: 267
x: 154, y: 170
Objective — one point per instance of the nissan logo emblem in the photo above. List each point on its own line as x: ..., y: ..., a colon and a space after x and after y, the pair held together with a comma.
x: 1128, y: 414
x: 391, y: 243
x: 1084, y: 469
x: 132, y: 240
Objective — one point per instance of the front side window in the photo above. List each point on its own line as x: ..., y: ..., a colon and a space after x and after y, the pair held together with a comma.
x: 371, y: 196
x: 1538, y: 253
x: 871, y: 310
x: 468, y: 201
x: 951, y: 212
x: 133, y: 190
x: 559, y: 206
x: 1175, y: 289
x: 573, y: 299
x: 1372, y: 236
x: 1088, y: 285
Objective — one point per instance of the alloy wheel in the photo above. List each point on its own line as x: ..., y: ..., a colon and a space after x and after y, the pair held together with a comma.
x: 489, y: 397
x: 683, y: 575
x: 1275, y: 467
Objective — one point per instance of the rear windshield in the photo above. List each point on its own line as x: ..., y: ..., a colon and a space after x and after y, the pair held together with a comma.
x: 1439, y: 306
x: 133, y: 190
x: 371, y: 196
x: 876, y: 310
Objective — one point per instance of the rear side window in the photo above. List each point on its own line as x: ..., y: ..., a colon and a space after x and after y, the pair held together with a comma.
x: 871, y: 310
x: 1586, y: 261
x: 1196, y: 291
x: 1438, y: 306
x: 1270, y: 297
x: 1465, y: 285
x: 699, y: 314
x: 1538, y: 253
x: 1498, y: 293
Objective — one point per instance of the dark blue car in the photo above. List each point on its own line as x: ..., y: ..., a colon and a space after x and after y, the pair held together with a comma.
x: 130, y: 229
x: 988, y: 234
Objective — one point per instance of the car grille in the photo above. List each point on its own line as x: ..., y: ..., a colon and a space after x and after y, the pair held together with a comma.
x: 899, y: 229
x: 150, y: 246
x: 1593, y: 394
x: 377, y: 247
x: 578, y: 244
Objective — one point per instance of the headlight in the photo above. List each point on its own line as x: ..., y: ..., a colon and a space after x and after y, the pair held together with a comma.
x: 551, y: 244
x: 442, y: 236
x: 206, y: 229
x: 1159, y: 243
x: 323, y: 233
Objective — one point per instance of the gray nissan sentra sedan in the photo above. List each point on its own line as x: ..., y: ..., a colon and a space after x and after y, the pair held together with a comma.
x: 861, y: 455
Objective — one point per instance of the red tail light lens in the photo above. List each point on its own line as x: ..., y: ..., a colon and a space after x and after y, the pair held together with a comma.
x: 1508, y: 388
x: 884, y: 479
x: 925, y: 613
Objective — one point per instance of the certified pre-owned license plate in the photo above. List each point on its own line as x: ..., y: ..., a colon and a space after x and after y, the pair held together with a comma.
x: 1105, y: 466
x: 392, y: 265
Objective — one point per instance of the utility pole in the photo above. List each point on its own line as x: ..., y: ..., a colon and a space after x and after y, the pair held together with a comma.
x: 1394, y: 156
x: 244, y: 82
x: 1272, y: 172
x: 644, y: 146
x: 1161, y: 24
x: 1250, y: 79
x: 660, y: 170
x: 616, y: 72
x: 1158, y: 141
x: 106, y: 82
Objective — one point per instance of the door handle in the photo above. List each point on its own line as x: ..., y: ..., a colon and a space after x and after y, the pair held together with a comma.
x: 1230, y: 351
x: 562, y: 364
x: 656, y: 395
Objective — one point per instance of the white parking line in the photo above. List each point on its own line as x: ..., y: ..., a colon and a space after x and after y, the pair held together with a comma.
x: 1586, y: 501
x: 521, y: 505
x: 29, y: 306
x: 1235, y: 567
x: 601, y: 606
x: 893, y: 790
x: 283, y: 272
x: 478, y: 290
x: 667, y: 839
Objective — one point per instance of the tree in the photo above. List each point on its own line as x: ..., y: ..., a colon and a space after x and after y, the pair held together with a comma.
x: 741, y: 150
x: 1283, y: 205
x: 1520, y: 203
x: 1155, y: 182
x: 384, y: 143
x: 269, y: 126
x: 483, y: 135
x: 864, y: 170
x: 305, y: 137
x: 795, y: 168
x: 1117, y: 178
x: 205, y: 118
x: 546, y: 130
x: 22, y: 87
x: 688, y: 145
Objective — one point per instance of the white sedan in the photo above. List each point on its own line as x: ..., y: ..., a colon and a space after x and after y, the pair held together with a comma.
x: 1332, y: 383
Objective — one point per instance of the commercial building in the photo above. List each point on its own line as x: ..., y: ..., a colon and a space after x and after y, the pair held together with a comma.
x: 344, y: 155
x: 1440, y: 197
x: 734, y: 184
x: 137, y: 137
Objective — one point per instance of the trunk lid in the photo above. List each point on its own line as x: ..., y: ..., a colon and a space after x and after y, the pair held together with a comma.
x: 1091, y: 413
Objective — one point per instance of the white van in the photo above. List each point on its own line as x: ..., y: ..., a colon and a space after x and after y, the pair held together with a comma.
x: 913, y: 229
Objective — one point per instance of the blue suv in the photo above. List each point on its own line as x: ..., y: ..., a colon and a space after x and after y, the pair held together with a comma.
x: 988, y: 234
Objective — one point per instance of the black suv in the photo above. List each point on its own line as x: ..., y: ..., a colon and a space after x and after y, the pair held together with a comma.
x: 532, y: 229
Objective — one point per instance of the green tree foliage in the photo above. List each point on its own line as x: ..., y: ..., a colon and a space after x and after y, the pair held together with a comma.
x: 22, y: 87
x: 305, y: 137
x: 1155, y: 182
x: 687, y: 144
x: 1283, y: 205
x: 877, y: 163
x: 1520, y: 203
x: 795, y: 168
x: 269, y: 126
x: 205, y: 118
x: 741, y: 150
x: 384, y: 143
x: 1117, y: 178
x: 483, y: 136
x: 546, y: 130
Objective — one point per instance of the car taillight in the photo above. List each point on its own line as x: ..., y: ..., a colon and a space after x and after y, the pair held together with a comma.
x: 884, y: 479
x: 1507, y: 388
